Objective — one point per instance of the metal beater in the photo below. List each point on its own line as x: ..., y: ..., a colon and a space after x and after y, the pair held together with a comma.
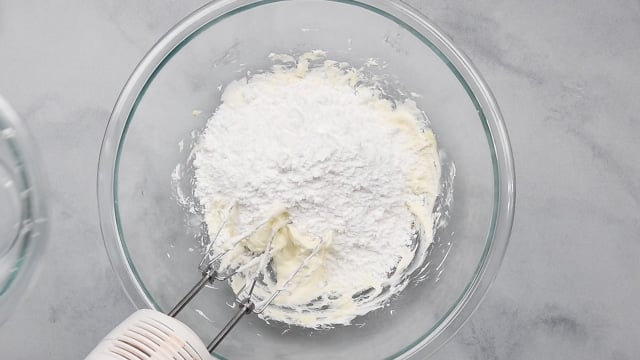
x: 244, y: 297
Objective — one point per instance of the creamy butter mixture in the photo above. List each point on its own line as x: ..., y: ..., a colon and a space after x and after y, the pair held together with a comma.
x: 313, y: 150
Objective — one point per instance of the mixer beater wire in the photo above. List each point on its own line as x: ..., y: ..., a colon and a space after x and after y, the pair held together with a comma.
x: 210, y: 273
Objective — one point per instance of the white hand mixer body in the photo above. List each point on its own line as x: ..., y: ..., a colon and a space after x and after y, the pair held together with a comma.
x: 149, y: 334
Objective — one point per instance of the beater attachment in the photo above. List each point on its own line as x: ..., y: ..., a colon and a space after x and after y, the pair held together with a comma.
x: 247, y: 302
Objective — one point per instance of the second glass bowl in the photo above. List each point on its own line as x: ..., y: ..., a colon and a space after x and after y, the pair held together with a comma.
x: 23, y: 210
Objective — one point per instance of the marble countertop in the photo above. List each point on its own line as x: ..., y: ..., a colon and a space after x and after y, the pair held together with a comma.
x: 564, y: 72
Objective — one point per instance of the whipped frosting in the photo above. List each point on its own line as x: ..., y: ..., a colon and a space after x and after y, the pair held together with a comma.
x: 313, y: 156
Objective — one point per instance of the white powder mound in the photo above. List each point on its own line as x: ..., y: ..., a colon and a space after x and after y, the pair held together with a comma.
x: 328, y: 161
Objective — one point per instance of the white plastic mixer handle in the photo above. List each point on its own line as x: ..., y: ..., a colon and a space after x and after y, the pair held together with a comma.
x: 148, y: 334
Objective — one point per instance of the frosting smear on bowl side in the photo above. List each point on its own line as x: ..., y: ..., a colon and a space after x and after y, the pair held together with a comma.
x: 321, y: 154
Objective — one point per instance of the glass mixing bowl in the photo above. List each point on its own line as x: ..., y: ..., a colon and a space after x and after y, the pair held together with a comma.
x: 151, y: 240
x: 22, y: 210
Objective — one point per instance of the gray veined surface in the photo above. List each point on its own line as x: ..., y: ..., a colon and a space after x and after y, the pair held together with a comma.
x: 563, y: 72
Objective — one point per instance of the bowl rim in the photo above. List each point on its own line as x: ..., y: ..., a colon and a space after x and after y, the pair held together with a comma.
x: 394, y: 10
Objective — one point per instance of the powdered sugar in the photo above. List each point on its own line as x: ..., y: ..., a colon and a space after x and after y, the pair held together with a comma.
x: 342, y: 164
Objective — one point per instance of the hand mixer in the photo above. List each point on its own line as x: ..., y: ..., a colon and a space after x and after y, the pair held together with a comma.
x: 149, y: 334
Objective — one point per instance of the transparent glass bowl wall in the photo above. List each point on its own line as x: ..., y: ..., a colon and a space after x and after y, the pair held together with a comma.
x: 22, y: 210
x: 146, y: 231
